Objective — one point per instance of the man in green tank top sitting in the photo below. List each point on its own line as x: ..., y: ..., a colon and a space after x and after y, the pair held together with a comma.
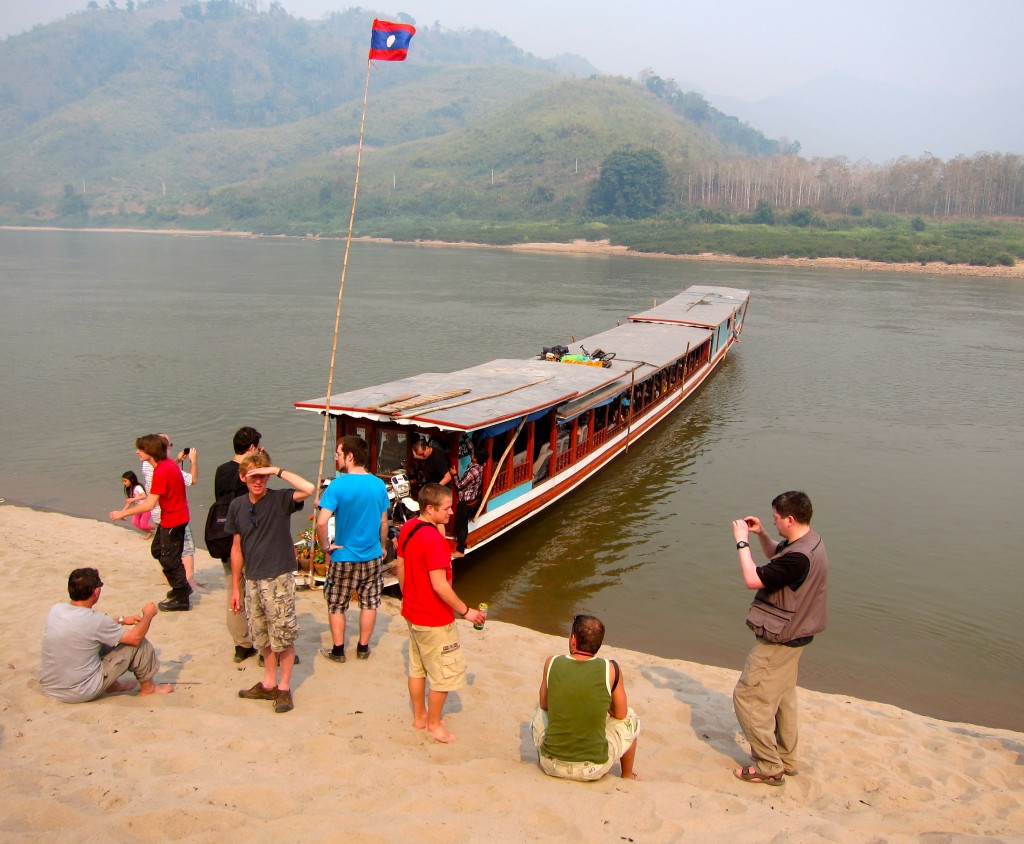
x: 583, y: 724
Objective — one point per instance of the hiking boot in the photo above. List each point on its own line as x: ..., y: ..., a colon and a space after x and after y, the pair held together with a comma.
x: 331, y: 655
x: 242, y: 653
x: 174, y: 605
x: 283, y: 701
x: 362, y: 651
x: 259, y: 692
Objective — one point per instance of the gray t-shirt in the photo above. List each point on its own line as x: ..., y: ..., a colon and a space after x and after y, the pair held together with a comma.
x: 265, y: 527
x: 70, y: 668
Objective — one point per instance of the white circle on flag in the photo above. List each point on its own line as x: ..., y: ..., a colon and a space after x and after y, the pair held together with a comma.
x: 391, y: 41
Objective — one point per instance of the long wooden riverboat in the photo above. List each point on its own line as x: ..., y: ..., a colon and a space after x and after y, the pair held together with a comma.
x: 547, y: 424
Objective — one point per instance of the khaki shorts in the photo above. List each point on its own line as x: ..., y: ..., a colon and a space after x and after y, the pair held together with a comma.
x: 619, y: 734
x: 270, y: 611
x: 435, y: 653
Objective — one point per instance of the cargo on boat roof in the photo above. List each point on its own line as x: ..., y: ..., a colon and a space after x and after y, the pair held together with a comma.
x: 482, y: 395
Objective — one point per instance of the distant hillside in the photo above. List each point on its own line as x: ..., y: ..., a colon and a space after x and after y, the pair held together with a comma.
x: 119, y: 111
x: 536, y: 156
x: 108, y: 93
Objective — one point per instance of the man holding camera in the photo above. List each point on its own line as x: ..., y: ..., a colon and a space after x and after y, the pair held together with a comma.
x: 789, y: 609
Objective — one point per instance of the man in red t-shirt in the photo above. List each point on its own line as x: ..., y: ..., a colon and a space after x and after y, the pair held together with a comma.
x: 167, y: 490
x: 429, y: 605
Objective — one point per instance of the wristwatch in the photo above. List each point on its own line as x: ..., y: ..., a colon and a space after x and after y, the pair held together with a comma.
x: 742, y: 544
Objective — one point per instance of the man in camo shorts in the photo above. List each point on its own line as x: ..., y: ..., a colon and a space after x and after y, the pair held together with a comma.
x: 262, y: 545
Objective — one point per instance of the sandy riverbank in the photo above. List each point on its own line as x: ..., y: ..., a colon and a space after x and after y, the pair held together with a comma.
x: 203, y: 765
x: 605, y: 248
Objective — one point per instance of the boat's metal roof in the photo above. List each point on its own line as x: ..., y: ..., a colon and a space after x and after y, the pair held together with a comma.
x: 697, y: 305
x: 506, y: 389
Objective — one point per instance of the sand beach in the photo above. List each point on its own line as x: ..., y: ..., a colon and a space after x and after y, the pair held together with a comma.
x: 203, y: 765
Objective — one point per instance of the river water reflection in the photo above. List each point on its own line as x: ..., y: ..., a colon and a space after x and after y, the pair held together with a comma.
x: 893, y: 400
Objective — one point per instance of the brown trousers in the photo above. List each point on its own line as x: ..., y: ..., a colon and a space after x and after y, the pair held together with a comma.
x: 765, y: 703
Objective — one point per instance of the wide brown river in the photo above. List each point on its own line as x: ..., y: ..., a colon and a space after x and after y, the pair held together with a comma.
x: 895, y: 401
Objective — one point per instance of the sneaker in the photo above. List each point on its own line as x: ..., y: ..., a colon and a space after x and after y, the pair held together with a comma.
x: 259, y: 692
x: 174, y: 605
x: 332, y: 656
x: 242, y: 653
x: 362, y: 651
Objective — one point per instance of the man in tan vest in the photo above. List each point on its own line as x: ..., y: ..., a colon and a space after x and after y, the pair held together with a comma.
x: 788, y: 610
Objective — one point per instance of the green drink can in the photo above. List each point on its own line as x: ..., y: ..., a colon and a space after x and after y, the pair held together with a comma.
x: 480, y: 626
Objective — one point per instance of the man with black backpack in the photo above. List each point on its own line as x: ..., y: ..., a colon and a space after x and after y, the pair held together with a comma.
x: 227, y: 486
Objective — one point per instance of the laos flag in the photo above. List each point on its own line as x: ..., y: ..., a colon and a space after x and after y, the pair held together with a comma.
x: 389, y: 42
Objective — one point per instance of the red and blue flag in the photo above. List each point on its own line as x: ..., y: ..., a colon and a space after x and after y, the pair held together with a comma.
x: 389, y: 42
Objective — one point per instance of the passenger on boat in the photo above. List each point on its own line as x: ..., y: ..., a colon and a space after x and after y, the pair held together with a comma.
x: 432, y: 462
x: 358, y: 502
x: 470, y: 487
x: 583, y: 724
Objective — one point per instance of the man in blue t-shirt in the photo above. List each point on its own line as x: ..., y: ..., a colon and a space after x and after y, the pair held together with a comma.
x: 358, y: 501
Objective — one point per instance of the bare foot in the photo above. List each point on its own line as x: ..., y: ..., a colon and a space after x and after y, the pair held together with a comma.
x: 146, y: 536
x: 635, y: 776
x: 442, y: 735
x: 422, y: 724
x: 156, y: 689
x: 120, y: 686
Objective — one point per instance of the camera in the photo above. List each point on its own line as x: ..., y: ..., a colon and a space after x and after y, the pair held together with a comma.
x: 185, y: 451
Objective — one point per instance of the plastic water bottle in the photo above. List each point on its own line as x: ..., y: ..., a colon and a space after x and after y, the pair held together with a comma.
x: 480, y: 626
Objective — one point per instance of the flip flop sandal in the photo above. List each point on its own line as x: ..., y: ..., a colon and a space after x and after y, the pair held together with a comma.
x: 751, y: 774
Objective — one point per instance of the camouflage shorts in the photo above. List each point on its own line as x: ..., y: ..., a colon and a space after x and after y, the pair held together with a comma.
x: 270, y: 612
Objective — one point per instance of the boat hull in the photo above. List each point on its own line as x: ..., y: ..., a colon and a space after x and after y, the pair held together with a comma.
x: 495, y: 524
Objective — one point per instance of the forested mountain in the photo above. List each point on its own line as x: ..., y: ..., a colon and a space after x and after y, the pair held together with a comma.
x: 215, y: 114
x: 169, y: 102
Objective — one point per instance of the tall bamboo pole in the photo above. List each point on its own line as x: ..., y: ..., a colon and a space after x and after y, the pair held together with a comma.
x: 337, y: 319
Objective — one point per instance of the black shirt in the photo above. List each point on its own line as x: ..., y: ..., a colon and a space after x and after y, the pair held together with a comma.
x: 226, y: 480
x: 435, y: 467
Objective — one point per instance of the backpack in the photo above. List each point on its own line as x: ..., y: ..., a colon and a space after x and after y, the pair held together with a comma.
x: 218, y: 540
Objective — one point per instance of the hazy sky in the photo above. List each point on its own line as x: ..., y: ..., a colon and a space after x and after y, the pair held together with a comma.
x: 745, y: 48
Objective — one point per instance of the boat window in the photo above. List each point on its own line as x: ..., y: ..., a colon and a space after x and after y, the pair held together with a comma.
x: 392, y: 449
x: 356, y: 430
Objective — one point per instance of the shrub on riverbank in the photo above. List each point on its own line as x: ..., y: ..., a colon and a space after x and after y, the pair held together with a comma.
x: 979, y: 244
x: 886, y: 238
